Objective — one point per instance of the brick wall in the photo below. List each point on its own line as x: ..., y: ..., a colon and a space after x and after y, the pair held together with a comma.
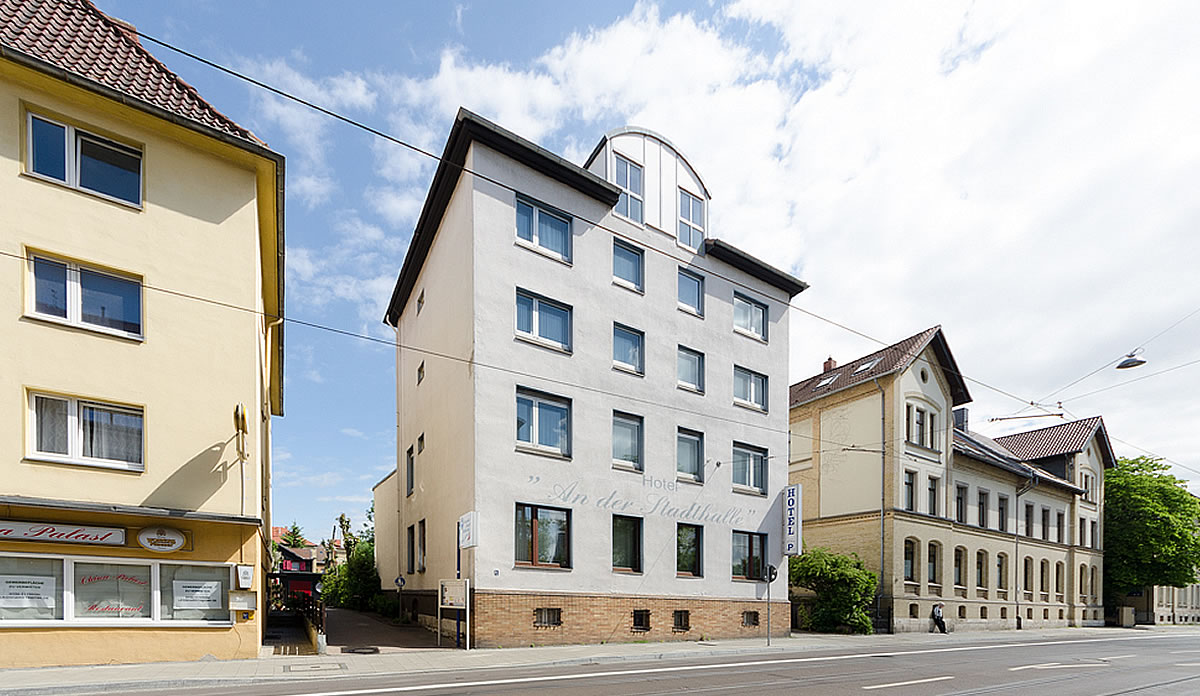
x: 507, y: 619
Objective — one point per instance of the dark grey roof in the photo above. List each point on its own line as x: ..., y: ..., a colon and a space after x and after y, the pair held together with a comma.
x: 985, y: 450
x: 893, y: 358
x: 761, y: 270
x: 468, y: 128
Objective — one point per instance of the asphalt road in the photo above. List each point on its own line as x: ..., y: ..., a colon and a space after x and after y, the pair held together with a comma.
x: 1147, y: 664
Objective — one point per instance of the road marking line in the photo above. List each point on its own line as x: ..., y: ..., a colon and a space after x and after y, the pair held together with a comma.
x: 1038, y: 666
x: 722, y: 665
x: 906, y: 683
x: 1188, y: 664
x: 1117, y: 657
x: 1180, y: 652
x: 1073, y: 666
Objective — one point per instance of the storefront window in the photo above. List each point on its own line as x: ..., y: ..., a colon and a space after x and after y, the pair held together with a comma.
x: 112, y: 591
x: 194, y: 593
x: 30, y: 589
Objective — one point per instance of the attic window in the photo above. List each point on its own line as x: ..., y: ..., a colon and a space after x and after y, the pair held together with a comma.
x: 827, y: 381
x: 866, y: 366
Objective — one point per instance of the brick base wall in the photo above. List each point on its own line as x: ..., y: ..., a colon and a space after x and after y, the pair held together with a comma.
x: 506, y: 619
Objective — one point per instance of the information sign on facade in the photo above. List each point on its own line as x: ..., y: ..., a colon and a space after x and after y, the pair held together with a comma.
x: 791, y: 520
x: 467, y: 531
x: 453, y: 594
x: 61, y: 533
x: 197, y: 594
x: 25, y: 591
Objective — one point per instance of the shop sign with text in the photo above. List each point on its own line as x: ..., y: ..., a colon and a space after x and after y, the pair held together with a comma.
x: 161, y: 539
x: 61, y: 533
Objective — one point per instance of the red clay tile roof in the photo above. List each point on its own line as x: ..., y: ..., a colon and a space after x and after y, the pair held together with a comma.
x: 1066, y: 438
x: 77, y: 37
x: 887, y: 360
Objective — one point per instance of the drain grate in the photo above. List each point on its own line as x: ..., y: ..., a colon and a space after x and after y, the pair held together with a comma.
x: 365, y: 650
x: 316, y: 667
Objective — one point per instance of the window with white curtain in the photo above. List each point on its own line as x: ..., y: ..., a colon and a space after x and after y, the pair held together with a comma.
x: 81, y: 431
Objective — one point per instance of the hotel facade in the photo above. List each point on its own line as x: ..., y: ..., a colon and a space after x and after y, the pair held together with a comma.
x: 583, y: 367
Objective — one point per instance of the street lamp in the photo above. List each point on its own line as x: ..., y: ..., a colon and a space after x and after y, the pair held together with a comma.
x: 1131, y: 360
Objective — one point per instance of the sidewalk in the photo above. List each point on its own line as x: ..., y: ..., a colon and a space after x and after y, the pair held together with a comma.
x: 162, y: 675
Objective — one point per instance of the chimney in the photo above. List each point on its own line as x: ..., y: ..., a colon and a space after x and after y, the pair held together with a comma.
x: 830, y: 364
x: 960, y: 419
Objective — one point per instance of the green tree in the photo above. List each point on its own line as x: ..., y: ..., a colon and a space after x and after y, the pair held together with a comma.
x: 368, y: 529
x: 294, y: 536
x: 354, y: 583
x: 1151, y: 533
x: 843, y: 585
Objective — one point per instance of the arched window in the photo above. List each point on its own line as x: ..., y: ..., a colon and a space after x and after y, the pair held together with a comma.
x: 910, y: 560
x: 981, y: 569
x: 1027, y: 576
x: 1045, y: 572
x: 1082, y: 582
x: 1094, y: 585
x: 960, y: 566
x: 1002, y: 571
x: 1058, y: 577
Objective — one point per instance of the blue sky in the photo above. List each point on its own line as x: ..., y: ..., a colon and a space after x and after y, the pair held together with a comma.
x: 1020, y: 173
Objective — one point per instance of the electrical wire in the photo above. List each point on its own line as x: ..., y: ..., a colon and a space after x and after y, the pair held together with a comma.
x: 416, y: 149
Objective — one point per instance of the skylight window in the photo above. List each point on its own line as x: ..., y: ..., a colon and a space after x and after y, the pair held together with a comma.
x: 866, y: 366
x: 827, y: 381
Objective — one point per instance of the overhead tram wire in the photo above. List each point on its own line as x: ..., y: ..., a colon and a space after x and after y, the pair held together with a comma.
x: 467, y: 170
x: 1143, y: 344
x: 454, y: 358
x: 419, y: 150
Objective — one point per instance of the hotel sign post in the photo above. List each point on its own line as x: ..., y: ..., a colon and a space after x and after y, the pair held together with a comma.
x: 791, y: 541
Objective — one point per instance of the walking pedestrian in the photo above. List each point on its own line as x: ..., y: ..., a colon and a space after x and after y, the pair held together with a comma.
x: 937, y: 616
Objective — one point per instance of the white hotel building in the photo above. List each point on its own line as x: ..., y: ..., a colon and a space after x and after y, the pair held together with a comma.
x: 604, y: 384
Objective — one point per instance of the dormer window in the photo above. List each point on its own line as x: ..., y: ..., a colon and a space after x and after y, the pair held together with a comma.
x: 629, y: 179
x: 691, y: 221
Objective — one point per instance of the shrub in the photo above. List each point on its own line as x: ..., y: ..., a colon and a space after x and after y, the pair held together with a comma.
x: 355, y: 583
x: 844, y: 588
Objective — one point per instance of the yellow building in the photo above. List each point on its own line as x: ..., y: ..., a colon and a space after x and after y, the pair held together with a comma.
x: 141, y: 248
x: 1006, y: 532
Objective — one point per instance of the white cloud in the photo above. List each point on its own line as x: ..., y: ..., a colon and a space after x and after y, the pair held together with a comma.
x: 352, y: 432
x: 326, y: 479
x: 344, y: 499
x: 1013, y: 171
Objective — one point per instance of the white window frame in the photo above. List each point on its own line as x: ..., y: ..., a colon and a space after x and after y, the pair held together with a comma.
x: 683, y: 306
x: 753, y: 403
x: 752, y: 483
x: 628, y: 192
x: 754, y: 305
x: 537, y: 398
x: 73, y: 137
x: 74, y: 297
x: 640, y: 367
x: 631, y: 419
x: 698, y: 437
x: 533, y: 335
x: 156, y: 619
x: 639, y: 285
x: 697, y: 388
x: 74, y: 455
x: 535, y: 244
x: 692, y: 227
